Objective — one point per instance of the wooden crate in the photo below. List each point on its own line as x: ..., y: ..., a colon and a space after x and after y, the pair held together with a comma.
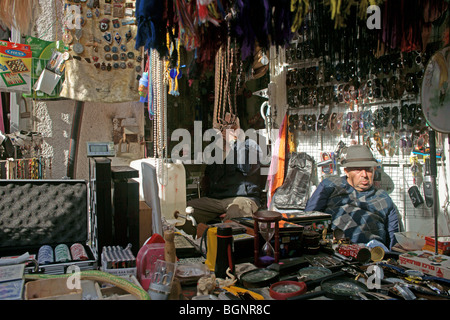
x: 51, y: 289
x: 56, y: 289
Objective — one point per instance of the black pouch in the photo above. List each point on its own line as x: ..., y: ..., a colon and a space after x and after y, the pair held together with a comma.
x: 415, y: 196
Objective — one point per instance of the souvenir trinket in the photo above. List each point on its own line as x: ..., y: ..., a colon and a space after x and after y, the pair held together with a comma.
x: 67, y: 37
x: 118, y: 11
x: 116, y: 23
x: 128, y: 35
x: 104, y: 24
x: 108, y: 37
x: 118, y: 38
x: 93, y: 4
x: 78, y: 48
x: 107, y: 9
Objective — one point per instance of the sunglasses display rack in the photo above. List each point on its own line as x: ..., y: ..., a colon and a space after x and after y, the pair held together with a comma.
x: 371, y: 100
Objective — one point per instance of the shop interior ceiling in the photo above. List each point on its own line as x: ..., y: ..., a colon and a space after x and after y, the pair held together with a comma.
x: 336, y: 32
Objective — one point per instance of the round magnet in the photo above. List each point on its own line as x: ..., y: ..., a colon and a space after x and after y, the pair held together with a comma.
x: 130, y: 55
x: 107, y: 48
x: 115, y: 57
x: 67, y: 38
x: 123, y: 65
x: 78, y: 48
x: 103, y: 25
x: 108, y: 57
x: 114, y: 49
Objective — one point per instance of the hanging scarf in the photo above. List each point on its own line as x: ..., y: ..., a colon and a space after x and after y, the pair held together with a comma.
x: 150, y: 25
x: 252, y: 25
x: 281, y: 33
x: 276, y: 172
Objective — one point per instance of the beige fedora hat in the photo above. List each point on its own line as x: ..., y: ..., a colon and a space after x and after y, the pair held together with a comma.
x: 358, y: 156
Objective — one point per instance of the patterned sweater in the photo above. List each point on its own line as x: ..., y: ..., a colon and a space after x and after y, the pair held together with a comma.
x: 363, y: 216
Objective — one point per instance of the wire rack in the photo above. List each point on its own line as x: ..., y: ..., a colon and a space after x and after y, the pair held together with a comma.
x: 394, y: 173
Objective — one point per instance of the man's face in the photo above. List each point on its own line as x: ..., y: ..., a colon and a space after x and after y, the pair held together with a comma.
x: 360, y: 178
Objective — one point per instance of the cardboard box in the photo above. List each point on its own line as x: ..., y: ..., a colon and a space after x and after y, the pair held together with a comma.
x: 427, y: 262
x: 443, y: 244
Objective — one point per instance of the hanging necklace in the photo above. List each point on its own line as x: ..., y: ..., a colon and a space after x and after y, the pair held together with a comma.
x: 162, y: 123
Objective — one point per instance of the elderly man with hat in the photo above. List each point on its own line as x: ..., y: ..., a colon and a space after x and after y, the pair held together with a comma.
x: 361, y: 211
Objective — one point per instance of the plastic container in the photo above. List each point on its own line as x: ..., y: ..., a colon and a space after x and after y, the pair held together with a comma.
x: 410, y: 240
x: 171, y: 183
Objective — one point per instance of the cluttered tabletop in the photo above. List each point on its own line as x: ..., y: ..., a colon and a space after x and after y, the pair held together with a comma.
x: 223, y: 264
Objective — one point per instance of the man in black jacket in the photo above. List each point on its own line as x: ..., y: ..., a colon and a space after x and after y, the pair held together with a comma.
x: 231, y: 188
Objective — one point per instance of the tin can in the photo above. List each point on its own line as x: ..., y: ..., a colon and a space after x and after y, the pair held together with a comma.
x: 78, y: 252
x: 45, y: 255
x: 62, y: 253
x: 376, y: 254
x: 359, y: 252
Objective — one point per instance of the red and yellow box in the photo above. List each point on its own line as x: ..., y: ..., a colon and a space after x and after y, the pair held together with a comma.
x: 15, y: 67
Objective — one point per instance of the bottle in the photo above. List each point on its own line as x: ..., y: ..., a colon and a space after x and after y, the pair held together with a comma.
x: 224, y: 258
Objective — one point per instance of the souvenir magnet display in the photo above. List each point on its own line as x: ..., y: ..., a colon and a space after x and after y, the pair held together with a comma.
x: 104, y: 25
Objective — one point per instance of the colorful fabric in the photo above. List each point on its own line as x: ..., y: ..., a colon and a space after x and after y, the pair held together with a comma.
x: 277, y: 165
